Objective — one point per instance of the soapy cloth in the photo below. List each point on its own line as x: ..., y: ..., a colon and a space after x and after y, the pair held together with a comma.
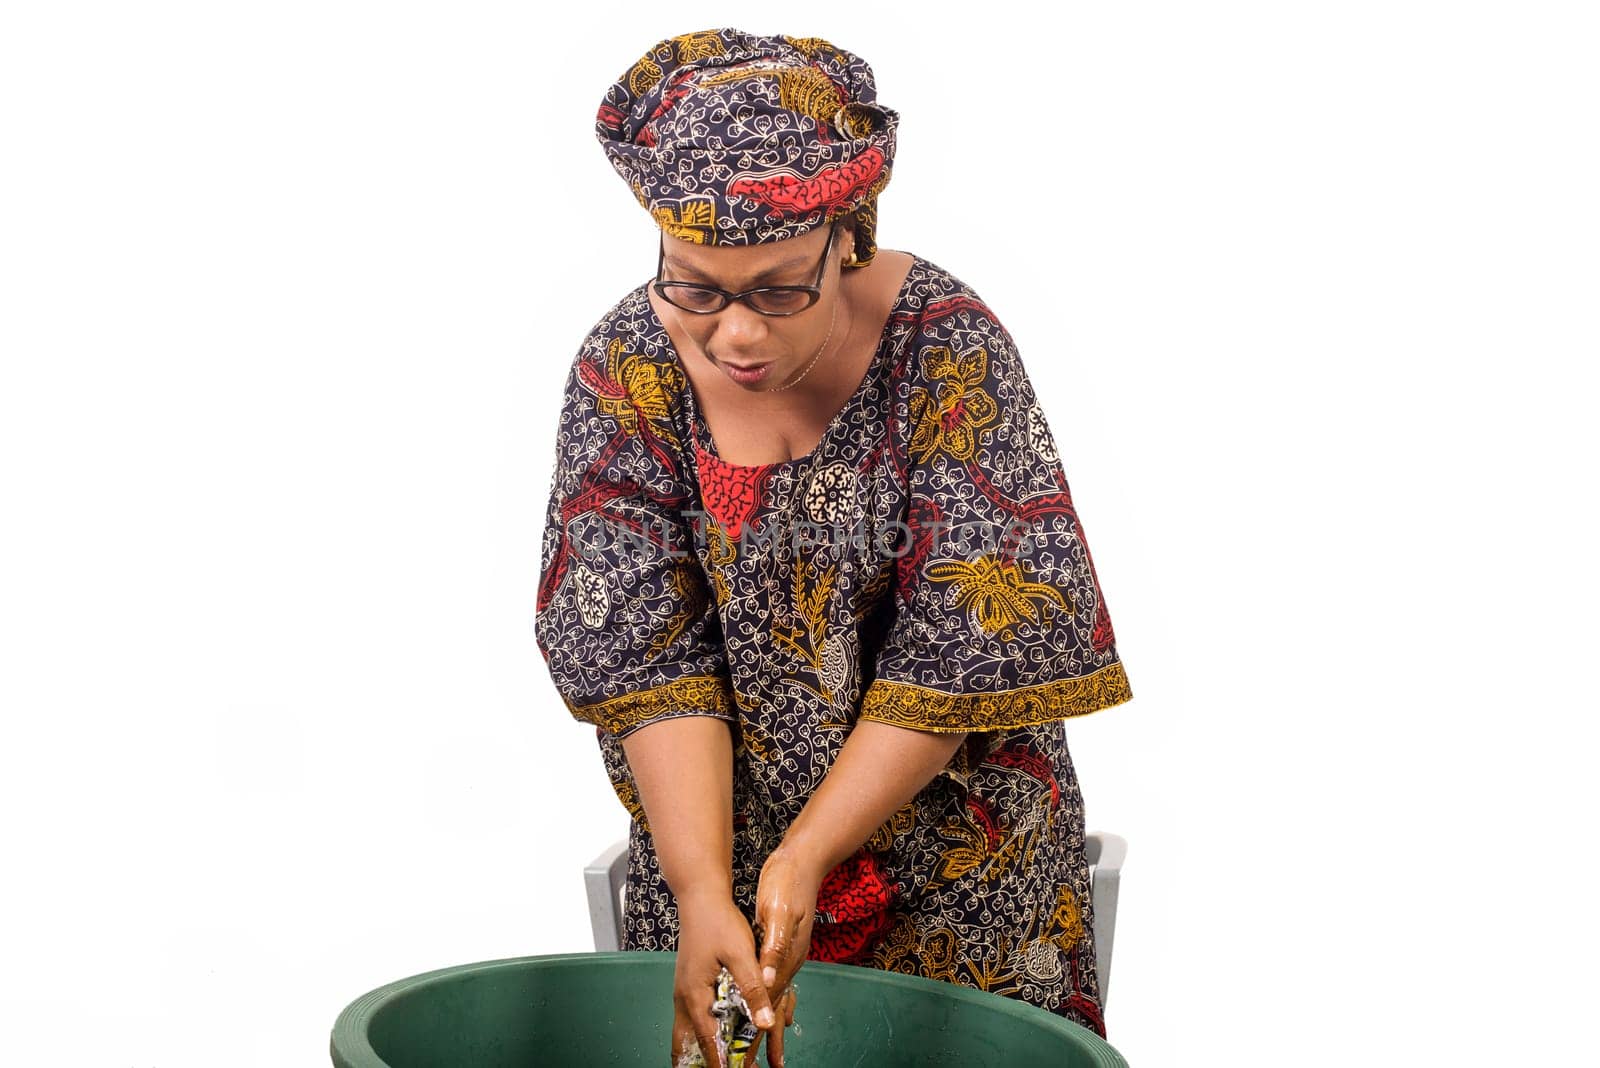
x: 736, y: 1031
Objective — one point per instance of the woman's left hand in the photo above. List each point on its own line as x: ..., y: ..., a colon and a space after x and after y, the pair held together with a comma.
x: 786, y: 906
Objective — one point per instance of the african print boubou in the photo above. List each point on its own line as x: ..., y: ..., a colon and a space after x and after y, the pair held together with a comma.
x: 924, y: 566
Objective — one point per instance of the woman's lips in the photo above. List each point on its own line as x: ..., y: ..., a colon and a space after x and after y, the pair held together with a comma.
x: 747, y: 374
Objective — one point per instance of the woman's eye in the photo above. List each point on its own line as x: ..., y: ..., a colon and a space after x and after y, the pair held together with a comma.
x: 698, y: 296
x: 784, y: 300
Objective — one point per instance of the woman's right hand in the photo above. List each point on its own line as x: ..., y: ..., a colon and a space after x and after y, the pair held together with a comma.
x: 713, y: 933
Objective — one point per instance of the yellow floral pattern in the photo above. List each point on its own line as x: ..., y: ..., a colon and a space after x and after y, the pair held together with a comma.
x: 996, y: 592
x: 688, y: 220
x: 951, y: 414
x: 637, y: 391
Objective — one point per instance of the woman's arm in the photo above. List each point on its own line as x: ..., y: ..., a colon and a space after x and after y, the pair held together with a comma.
x: 879, y: 768
x: 683, y: 767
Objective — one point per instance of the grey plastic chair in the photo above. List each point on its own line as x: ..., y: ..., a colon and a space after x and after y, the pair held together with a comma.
x: 605, y: 875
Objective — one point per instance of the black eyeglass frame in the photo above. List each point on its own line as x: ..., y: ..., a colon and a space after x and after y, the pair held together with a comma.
x: 812, y: 291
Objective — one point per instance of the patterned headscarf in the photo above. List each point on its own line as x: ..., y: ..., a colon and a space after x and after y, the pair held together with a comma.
x: 730, y: 138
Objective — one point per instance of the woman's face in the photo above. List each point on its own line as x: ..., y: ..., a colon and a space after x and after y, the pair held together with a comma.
x: 775, y: 348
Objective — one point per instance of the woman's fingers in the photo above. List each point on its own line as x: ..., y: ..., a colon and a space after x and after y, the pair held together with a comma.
x: 748, y: 976
x: 785, y: 1010
x: 779, y: 956
x: 755, y: 1047
x: 783, y: 952
x: 715, y: 935
x: 774, y: 948
x: 693, y: 1026
x: 775, y: 1049
x: 775, y: 1044
x: 682, y: 1035
x: 706, y: 1035
x: 687, y: 1033
x: 786, y: 902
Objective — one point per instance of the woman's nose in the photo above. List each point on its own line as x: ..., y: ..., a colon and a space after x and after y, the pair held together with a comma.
x: 740, y: 326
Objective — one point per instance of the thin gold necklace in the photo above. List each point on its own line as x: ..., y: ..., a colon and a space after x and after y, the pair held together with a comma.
x: 813, y: 363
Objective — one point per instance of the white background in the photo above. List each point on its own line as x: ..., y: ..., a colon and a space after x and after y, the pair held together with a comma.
x: 288, y: 295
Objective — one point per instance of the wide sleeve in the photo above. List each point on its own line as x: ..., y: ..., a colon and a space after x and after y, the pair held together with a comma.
x: 999, y: 619
x: 624, y: 618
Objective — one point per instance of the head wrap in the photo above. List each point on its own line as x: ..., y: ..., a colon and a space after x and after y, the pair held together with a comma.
x: 730, y: 138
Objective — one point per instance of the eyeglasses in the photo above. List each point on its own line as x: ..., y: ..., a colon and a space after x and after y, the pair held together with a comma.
x: 768, y: 300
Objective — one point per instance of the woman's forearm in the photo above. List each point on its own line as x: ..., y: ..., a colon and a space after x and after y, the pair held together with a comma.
x: 879, y: 768
x: 683, y: 768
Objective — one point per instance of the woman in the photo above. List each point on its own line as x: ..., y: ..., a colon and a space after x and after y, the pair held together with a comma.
x: 812, y: 568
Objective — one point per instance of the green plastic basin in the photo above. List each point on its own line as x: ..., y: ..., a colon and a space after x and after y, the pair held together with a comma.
x: 585, y: 1009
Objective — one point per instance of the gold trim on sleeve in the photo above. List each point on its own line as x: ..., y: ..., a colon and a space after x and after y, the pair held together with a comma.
x: 704, y: 694
x: 920, y: 708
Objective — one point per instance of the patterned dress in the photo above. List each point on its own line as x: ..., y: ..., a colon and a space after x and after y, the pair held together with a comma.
x: 924, y: 566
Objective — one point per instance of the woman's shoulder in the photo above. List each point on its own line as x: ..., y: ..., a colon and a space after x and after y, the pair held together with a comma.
x: 627, y: 353
x: 625, y: 386
x: 969, y: 403
x: 957, y: 325
x: 630, y: 320
x: 937, y: 281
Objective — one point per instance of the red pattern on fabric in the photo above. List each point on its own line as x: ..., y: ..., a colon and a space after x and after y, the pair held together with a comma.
x: 1029, y: 759
x: 731, y: 493
x: 1104, y: 637
x: 1088, y: 1008
x: 832, y: 189
x: 983, y: 815
x: 925, y: 522
x: 854, y: 910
